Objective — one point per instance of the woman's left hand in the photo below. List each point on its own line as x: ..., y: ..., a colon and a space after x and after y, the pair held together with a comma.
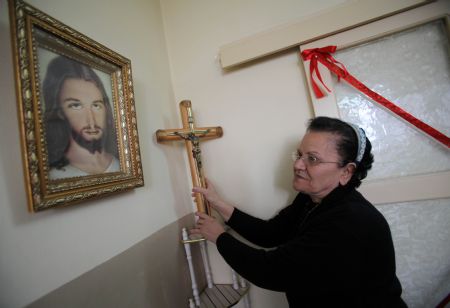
x: 207, y: 226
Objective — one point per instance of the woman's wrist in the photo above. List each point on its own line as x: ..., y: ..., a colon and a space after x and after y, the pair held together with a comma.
x: 225, y: 210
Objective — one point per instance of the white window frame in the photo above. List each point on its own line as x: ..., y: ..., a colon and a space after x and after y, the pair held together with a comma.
x: 399, y: 189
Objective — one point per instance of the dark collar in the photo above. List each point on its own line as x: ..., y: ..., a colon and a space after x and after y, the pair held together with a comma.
x: 330, y: 200
x: 337, y: 194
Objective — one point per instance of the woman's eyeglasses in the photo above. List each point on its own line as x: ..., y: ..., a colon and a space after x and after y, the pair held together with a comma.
x: 310, y: 160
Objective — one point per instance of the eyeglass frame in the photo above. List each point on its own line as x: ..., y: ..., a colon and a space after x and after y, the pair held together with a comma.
x: 295, y: 156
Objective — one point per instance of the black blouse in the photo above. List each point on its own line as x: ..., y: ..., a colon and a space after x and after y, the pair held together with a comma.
x: 337, y: 253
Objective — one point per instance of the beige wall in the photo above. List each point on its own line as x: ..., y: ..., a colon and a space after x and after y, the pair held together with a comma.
x: 152, y: 273
x: 262, y: 106
x: 40, y: 252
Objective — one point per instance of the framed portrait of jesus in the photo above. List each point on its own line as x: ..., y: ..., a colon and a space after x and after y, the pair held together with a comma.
x: 76, y: 111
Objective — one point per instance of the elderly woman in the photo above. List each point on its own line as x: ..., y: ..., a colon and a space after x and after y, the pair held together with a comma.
x: 330, y: 247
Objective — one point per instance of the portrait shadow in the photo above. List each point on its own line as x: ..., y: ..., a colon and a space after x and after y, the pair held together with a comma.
x: 11, y: 168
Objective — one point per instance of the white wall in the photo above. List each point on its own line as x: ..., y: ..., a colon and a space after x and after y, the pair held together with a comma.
x: 40, y: 252
x: 262, y: 107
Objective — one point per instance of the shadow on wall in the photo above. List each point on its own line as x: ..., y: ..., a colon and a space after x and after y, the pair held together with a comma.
x: 174, y: 153
x: 152, y: 273
x: 11, y: 180
x: 284, y: 176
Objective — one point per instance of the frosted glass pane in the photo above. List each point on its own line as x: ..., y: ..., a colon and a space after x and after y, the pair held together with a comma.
x: 421, y: 235
x: 411, y: 69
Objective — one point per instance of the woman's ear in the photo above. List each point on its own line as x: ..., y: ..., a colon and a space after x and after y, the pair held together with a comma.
x: 347, y: 173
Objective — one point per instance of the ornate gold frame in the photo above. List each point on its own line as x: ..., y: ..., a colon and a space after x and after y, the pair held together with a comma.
x: 32, y: 29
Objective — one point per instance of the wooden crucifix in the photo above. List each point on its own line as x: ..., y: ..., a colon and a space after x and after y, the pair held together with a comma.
x: 192, y: 135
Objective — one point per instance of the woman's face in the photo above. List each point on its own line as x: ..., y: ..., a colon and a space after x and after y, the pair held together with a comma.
x: 318, y: 171
x: 83, y: 106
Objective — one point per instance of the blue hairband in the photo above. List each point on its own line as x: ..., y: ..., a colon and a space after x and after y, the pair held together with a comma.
x: 361, y: 142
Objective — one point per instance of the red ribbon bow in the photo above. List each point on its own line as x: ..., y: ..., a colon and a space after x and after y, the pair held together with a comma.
x: 323, y: 55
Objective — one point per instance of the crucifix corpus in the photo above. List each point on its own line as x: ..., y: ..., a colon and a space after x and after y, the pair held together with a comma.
x: 192, y: 135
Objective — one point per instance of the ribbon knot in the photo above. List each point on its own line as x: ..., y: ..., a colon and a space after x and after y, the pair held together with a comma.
x: 322, y: 54
x: 308, y: 54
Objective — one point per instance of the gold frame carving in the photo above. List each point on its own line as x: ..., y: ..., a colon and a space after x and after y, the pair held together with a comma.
x: 33, y: 35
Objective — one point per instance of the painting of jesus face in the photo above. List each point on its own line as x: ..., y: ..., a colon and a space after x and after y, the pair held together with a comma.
x: 83, y: 106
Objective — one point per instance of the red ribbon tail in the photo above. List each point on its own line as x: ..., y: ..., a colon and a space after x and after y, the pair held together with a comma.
x: 317, y: 91
x: 323, y: 55
x: 313, y: 67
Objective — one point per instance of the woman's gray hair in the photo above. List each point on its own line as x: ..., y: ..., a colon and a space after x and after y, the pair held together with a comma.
x: 352, y: 146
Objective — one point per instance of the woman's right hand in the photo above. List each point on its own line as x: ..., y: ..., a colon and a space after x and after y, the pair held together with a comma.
x: 211, y: 195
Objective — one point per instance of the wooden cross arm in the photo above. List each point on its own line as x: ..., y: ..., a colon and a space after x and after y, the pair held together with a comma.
x: 192, y: 135
x: 163, y: 135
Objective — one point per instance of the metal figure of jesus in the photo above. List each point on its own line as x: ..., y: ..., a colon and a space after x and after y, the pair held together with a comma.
x: 192, y: 136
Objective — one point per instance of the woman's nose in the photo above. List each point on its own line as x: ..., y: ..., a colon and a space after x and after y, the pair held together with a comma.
x: 299, y: 164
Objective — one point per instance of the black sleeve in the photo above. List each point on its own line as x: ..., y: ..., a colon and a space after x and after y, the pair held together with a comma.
x: 317, y: 258
x: 272, y: 232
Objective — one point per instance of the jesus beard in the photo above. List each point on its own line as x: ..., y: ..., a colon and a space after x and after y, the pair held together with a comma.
x: 93, y: 145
